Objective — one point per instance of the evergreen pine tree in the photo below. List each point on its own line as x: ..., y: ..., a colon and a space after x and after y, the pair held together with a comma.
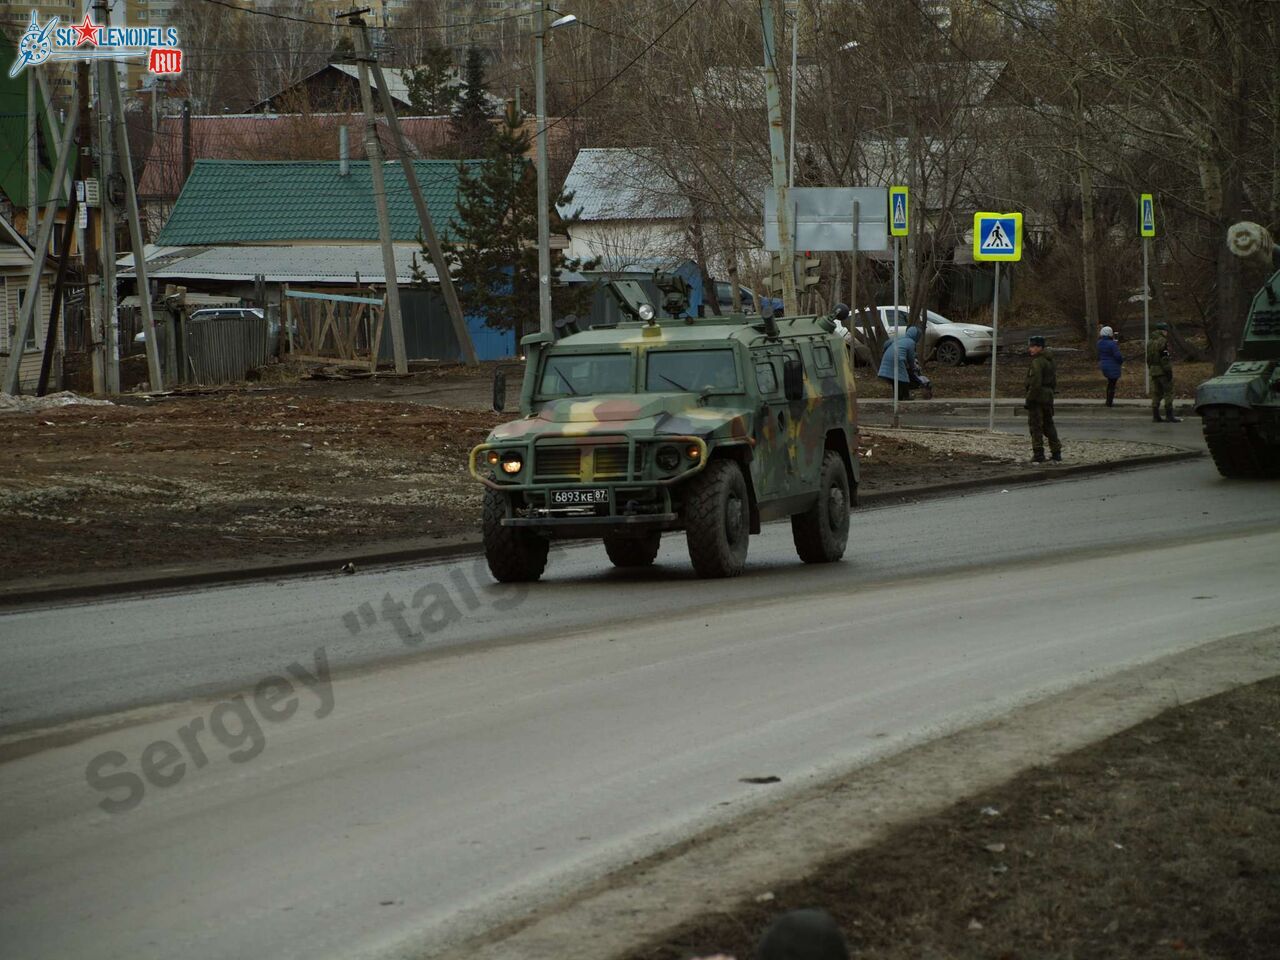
x: 471, y: 114
x: 433, y: 92
x: 495, y: 252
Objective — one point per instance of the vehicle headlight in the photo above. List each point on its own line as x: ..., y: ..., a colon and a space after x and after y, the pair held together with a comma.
x: 492, y: 458
x: 693, y: 452
x: 667, y: 458
x: 646, y: 312
x: 511, y: 462
x: 977, y: 333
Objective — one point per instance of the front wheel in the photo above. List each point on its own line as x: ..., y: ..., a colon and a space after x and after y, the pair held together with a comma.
x: 821, y: 533
x: 717, y: 525
x: 514, y: 555
x: 949, y: 353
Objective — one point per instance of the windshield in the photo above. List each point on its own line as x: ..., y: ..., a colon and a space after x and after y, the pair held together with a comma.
x: 695, y: 371
x: 583, y: 374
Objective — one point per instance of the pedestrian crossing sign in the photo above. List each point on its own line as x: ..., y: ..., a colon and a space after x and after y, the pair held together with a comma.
x: 1147, y: 208
x: 898, y: 209
x: 997, y: 236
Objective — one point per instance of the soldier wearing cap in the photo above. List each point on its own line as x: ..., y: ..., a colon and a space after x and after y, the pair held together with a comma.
x: 1042, y: 380
x: 1160, y: 365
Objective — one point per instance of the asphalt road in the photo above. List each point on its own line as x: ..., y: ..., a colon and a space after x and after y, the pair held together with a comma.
x: 378, y: 798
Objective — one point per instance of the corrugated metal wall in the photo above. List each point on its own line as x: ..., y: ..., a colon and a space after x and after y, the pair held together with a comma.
x: 224, y: 350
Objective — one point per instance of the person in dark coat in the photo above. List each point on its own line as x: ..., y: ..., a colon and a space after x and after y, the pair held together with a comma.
x: 1042, y: 382
x: 1109, y: 362
x: 902, y: 375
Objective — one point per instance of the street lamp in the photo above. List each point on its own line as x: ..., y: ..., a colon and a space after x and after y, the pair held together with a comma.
x: 544, y: 200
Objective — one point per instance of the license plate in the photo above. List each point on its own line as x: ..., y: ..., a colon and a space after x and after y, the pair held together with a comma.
x: 573, y: 498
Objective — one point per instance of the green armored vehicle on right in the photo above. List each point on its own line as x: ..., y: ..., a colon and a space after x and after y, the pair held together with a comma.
x: 1240, y: 410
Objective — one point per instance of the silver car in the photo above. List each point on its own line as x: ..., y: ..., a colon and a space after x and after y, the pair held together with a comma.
x: 950, y: 344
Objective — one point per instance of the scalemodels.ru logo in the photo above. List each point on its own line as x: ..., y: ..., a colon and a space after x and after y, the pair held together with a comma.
x: 92, y: 41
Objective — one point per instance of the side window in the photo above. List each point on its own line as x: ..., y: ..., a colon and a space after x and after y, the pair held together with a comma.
x: 823, y: 359
x: 766, y: 377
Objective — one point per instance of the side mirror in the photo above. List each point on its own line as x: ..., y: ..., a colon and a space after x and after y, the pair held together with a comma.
x: 500, y: 390
x: 793, y: 380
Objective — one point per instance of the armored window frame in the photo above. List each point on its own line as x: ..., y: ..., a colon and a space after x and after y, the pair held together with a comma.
x: 772, y: 387
x: 823, y: 359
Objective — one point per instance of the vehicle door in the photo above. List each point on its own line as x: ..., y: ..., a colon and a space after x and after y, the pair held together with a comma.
x: 772, y: 465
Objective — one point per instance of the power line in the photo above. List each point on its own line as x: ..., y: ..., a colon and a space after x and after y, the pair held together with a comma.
x: 333, y: 23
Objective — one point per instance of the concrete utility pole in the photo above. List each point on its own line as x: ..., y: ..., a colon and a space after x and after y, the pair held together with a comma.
x: 544, y: 227
x: 135, y: 237
x: 106, y: 76
x: 424, y: 215
x: 40, y: 252
x: 778, y: 159
x: 373, y: 150
x: 33, y: 159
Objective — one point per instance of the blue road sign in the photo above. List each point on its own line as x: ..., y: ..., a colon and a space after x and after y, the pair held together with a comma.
x: 1148, y: 220
x: 997, y: 236
x: 898, y: 210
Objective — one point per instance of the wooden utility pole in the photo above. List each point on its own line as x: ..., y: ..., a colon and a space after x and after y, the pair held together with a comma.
x: 424, y: 217
x: 40, y: 253
x: 373, y: 150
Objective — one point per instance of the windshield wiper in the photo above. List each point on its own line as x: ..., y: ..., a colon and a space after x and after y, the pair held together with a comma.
x: 567, y: 382
x: 678, y: 386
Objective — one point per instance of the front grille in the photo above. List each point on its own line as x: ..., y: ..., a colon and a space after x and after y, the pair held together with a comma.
x: 611, y: 463
x: 553, y: 463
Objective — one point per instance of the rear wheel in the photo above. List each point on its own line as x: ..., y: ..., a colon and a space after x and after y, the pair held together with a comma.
x: 821, y: 533
x: 717, y: 526
x: 949, y: 353
x: 636, y: 551
x: 514, y: 555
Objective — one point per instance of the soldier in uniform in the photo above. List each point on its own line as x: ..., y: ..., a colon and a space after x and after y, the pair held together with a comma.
x: 1160, y: 365
x: 1042, y: 380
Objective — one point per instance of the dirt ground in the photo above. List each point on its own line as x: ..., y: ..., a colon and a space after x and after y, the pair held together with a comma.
x: 289, y: 467
x: 1162, y: 841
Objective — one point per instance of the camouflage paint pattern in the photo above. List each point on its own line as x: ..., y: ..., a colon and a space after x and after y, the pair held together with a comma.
x: 781, y: 443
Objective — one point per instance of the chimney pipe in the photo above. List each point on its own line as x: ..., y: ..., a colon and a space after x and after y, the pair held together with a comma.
x: 344, y: 151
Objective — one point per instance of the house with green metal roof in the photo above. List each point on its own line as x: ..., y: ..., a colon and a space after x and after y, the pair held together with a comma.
x: 305, y: 201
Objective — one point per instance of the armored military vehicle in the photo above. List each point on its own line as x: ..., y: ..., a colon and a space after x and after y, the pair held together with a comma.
x: 707, y: 425
x: 1240, y: 410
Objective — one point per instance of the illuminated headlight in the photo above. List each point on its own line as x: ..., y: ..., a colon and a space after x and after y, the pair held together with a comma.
x: 693, y: 452
x: 492, y: 458
x: 646, y: 312
x: 511, y: 463
x: 667, y: 458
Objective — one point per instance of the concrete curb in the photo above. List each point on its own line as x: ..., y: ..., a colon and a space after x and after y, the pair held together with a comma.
x: 20, y: 594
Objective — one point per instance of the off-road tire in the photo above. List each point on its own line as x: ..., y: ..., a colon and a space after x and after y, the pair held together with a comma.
x: 1237, y: 450
x: 717, y: 520
x: 638, y: 551
x: 949, y: 353
x: 821, y: 533
x: 514, y: 555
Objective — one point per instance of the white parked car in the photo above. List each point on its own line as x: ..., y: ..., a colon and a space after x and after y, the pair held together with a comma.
x: 951, y: 344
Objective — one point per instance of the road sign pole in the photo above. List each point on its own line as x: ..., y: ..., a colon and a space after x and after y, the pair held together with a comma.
x: 995, y: 343
x: 897, y: 243
x: 853, y: 273
x: 1146, y: 319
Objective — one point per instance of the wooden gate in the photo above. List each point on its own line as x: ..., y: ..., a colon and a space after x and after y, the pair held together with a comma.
x: 334, y: 328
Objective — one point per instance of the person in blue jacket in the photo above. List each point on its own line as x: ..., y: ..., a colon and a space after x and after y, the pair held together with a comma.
x: 906, y: 363
x: 1109, y: 362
